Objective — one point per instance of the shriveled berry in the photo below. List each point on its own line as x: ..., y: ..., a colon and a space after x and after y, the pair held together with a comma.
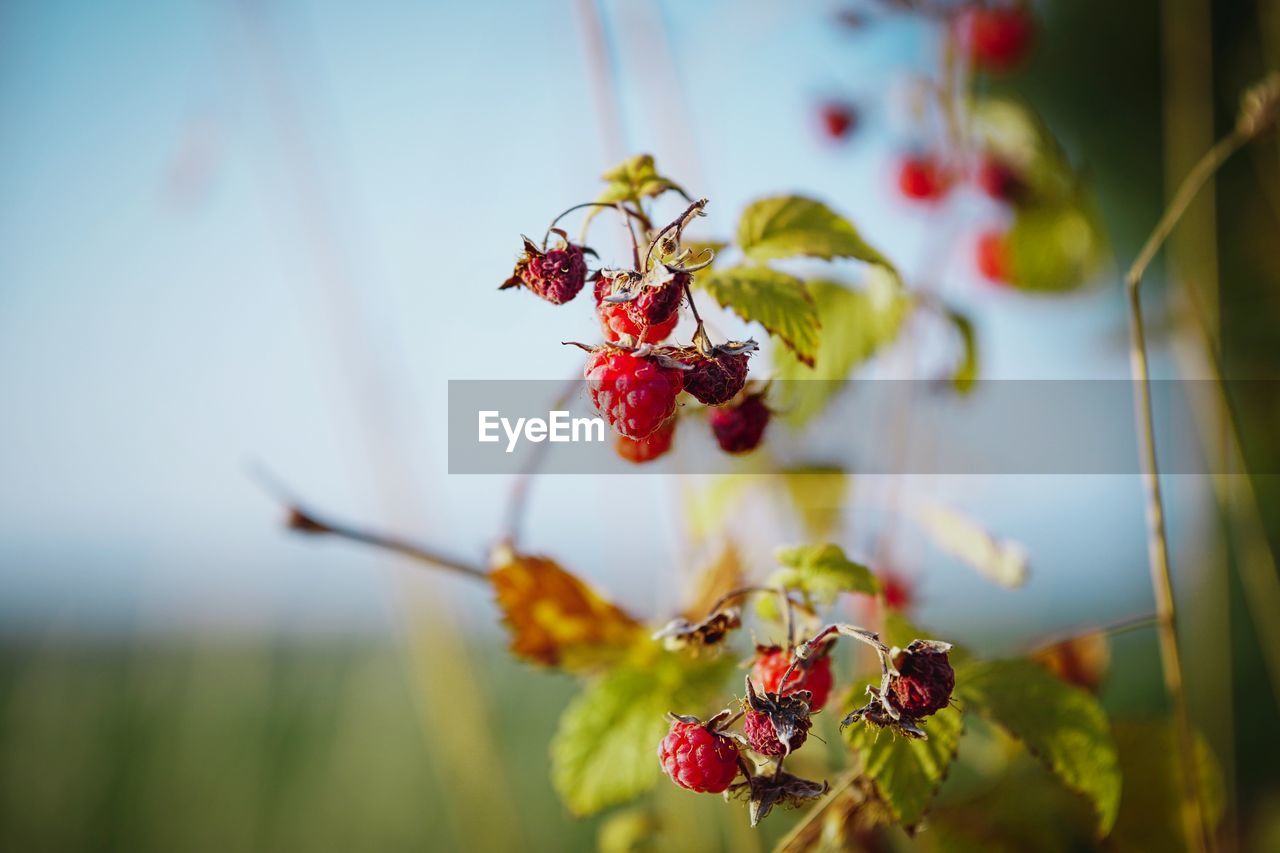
x: 649, y: 448
x: 763, y: 737
x: 697, y: 758
x: 715, y: 379
x: 925, y: 679
x: 738, y: 429
x: 556, y: 276
x: 620, y: 318
x: 657, y: 305
x: 1000, y: 180
x: 995, y: 38
x: 992, y: 256
x: 923, y: 178
x: 771, y: 664
x: 635, y: 394
x: 837, y: 119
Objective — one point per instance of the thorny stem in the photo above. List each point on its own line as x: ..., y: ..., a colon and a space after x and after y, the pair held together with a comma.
x: 862, y: 635
x: 1198, y: 834
x: 783, y: 594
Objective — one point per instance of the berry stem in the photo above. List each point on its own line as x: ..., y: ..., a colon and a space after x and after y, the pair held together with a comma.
x: 862, y: 635
x: 565, y: 213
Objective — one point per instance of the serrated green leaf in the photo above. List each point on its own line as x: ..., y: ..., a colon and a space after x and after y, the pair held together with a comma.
x: 907, y: 773
x: 1055, y: 247
x: 787, y: 226
x: 779, y: 302
x: 1150, y: 814
x: 855, y: 324
x: 1062, y: 725
x: 605, y: 751
x: 966, y: 371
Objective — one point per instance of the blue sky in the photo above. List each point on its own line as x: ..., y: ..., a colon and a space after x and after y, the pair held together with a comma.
x: 272, y: 231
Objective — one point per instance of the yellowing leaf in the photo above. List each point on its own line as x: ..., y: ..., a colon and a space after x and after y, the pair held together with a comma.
x: 779, y: 302
x: 999, y: 560
x: 786, y: 226
x: 723, y: 575
x: 818, y: 494
x: 706, y: 510
x: 855, y: 324
x: 557, y: 620
x: 1061, y: 725
x: 635, y: 178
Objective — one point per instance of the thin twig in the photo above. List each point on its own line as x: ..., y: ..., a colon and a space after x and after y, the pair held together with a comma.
x: 1110, y: 629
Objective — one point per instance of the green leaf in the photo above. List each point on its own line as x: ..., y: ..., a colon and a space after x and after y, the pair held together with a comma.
x: 823, y: 571
x: 1150, y: 813
x: 855, y: 324
x: 907, y: 773
x: 786, y: 226
x: 1012, y: 131
x: 1055, y: 247
x: 779, y: 302
x: 634, y: 179
x: 1061, y: 725
x: 604, y: 752
x: 966, y: 371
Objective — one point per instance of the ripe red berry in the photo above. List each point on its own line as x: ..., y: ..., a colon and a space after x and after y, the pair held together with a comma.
x: 925, y: 679
x: 763, y: 737
x: 837, y: 120
x: 738, y: 429
x: 995, y: 39
x: 635, y: 394
x: 715, y: 379
x: 649, y: 318
x: 992, y: 256
x: 923, y: 178
x: 649, y: 448
x: 697, y: 758
x: 771, y: 664
x: 898, y: 592
x: 556, y: 276
x: 1000, y: 180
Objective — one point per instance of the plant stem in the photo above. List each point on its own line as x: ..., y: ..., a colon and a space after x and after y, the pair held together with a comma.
x: 1198, y: 835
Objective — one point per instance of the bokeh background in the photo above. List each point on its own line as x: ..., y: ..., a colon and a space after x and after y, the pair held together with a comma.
x: 246, y: 234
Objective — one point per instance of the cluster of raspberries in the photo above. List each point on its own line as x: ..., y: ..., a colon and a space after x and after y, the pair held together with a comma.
x: 635, y: 377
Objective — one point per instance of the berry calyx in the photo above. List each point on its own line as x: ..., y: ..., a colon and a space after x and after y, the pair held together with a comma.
x: 991, y: 254
x: 813, y: 675
x: 995, y: 39
x: 739, y: 428
x: 837, y: 120
x: 924, y: 681
x: 763, y: 737
x: 649, y: 448
x: 556, y: 275
x: 1000, y: 180
x: 718, y: 376
x: 698, y: 757
x: 776, y: 725
x: 635, y: 394
x: 923, y: 178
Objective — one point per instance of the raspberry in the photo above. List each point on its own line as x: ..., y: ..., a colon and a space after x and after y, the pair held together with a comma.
x: 715, y: 379
x: 697, y: 758
x: 738, y: 429
x: 624, y: 318
x: 635, y: 394
x: 556, y: 276
x: 925, y: 679
x: 657, y: 305
x: 837, y: 119
x: 897, y: 591
x: 992, y: 250
x: 995, y: 39
x: 922, y: 178
x: 1000, y: 180
x: 649, y: 448
x: 771, y: 664
x: 763, y: 737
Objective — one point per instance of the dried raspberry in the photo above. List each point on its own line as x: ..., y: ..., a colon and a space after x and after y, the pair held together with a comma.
x: 618, y: 319
x: 837, y: 119
x: 556, y: 276
x: 925, y: 679
x: 634, y: 393
x: 923, y: 178
x: 715, y: 379
x: 657, y: 305
x: 992, y: 251
x: 1000, y: 180
x: 995, y: 39
x: 763, y: 737
x: 738, y: 429
x: 697, y: 758
x: 771, y: 664
x: 649, y: 448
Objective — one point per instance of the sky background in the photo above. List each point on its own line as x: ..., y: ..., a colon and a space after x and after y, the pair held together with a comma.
x: 271, y: 232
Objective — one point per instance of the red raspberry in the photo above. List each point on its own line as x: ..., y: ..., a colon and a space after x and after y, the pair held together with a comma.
x: 996, y: 39
x: 763, y: 737
x: 624, y: 318
x: 923, y: 178
x: 556, y: 276
x: 635, y: 394
x: 837, y: 119
x: 898, y: 592
x: 992, y: 251
x: 771, y: 664
x: 648, y: 448
x: 925, y: 680
x: 1000, y: 180
x: 715, y: 379
x: 698, y: 759
x: 738, y: 429
x: 657, y: 305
